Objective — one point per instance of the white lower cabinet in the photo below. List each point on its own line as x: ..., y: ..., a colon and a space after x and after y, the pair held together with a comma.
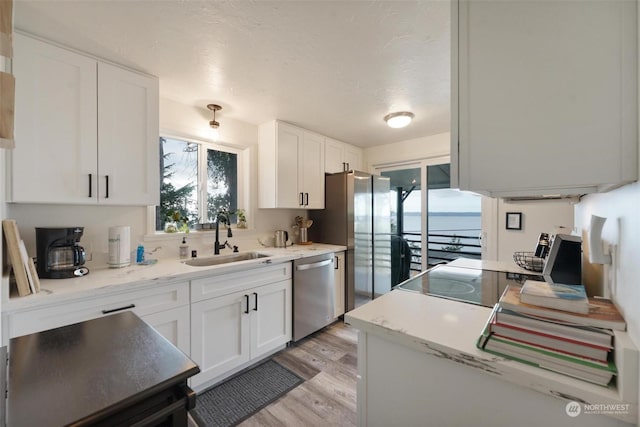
x: 270, y: 317
x: 224, y: 322
x: 220, y: 335
x: 173, y: 325
x: 228, y: 332
x: 164, y: 307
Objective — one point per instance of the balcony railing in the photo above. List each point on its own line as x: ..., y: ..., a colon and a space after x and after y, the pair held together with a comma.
x: 442, y: 247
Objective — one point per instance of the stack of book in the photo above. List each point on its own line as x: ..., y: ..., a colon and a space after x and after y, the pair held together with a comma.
x: 576, y: 340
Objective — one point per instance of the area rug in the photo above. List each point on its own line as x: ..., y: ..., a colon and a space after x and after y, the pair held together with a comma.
x: 238, y: 398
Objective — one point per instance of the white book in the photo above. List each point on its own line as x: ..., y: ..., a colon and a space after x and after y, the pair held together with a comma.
x: 555, y: 295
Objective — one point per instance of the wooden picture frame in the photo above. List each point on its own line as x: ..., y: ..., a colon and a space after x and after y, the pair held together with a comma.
x: 514, y: 221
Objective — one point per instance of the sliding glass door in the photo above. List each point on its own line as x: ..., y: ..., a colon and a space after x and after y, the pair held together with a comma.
x: 454, y: 221
x: 431, y: 223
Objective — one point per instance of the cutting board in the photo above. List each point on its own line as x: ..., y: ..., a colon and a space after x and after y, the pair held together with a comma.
x: 20, y: 266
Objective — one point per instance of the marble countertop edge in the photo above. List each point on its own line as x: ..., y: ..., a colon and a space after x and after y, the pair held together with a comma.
x: 381, y: 317
x: 103, y: 280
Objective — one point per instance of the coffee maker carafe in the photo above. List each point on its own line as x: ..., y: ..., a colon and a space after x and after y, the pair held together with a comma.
x: 59, y: 256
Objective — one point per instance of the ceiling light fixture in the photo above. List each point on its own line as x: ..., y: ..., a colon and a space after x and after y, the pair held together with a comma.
x: 215, y: 134
x: 398, y: 120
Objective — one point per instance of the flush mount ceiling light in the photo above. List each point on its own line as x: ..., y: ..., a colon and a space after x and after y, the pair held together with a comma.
x: 398, y: 120
x: 214, y: 125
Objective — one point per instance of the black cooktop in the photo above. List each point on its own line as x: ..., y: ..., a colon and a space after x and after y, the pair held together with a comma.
x: 481, y: 287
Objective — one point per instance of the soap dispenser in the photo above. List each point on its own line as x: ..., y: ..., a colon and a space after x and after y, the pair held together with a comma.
x: 184, y: 249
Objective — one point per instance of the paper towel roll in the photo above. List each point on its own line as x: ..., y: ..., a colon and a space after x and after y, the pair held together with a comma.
x: 119, y: 246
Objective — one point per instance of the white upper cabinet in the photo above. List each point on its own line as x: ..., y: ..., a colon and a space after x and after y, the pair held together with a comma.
x: 128, y: 126
x: 311, y: 172
x: 86, y: 131
x: 340, y: 157
x: 291, y: 167
x: 55, y: 158
x: 544, y: 96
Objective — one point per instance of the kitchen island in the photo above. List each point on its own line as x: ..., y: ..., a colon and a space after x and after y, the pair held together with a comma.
x: 418, y: 365
x: 114, y: 370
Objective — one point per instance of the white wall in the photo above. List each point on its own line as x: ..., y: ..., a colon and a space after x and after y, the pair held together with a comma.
x: 621, y: 207
x: 178, y: 120
x: 537, y: 217
x: 403, y: 151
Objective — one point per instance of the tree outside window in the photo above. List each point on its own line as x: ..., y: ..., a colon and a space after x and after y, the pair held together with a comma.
x: 180, y: 177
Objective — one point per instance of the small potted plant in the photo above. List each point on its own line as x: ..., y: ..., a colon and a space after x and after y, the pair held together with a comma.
x: 176, y: 223
x: 242, y: 219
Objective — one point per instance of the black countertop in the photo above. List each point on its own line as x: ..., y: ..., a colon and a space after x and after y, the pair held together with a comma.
x: 88, y: 371
x: 469, y: 285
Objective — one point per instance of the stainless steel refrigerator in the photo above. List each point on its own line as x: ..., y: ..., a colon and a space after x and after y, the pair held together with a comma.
x: 357, y: 215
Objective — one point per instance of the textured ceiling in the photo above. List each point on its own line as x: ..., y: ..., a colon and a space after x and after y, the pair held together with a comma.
x: 335, y: 67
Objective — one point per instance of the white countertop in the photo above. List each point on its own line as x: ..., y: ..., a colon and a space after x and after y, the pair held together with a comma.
x: 449, y: 329
x: 102, y: 280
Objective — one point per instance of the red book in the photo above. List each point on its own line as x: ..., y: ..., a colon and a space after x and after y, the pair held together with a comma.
x: 559, y: 343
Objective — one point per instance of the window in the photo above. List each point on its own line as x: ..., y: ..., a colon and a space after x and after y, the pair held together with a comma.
x: 197, y: 181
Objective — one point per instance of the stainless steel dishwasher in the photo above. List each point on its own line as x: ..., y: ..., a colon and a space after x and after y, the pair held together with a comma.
x: 313, y: 294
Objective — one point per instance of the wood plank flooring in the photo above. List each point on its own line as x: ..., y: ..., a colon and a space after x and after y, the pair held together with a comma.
x: 326, y: 361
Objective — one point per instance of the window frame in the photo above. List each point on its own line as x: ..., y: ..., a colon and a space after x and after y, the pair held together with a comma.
x: 203, y: 146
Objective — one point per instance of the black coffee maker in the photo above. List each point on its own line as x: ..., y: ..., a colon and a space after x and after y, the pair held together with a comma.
x: 59, y: 256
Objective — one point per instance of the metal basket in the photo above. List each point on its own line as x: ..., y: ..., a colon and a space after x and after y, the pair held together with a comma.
x: 529, y: 261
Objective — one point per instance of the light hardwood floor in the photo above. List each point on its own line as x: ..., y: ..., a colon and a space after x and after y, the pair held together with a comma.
x: 326, y: 361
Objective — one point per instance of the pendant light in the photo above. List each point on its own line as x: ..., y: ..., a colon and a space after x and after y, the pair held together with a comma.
x: 214, y: 125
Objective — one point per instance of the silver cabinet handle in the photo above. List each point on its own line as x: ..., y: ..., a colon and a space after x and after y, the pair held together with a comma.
x: 314, y: 265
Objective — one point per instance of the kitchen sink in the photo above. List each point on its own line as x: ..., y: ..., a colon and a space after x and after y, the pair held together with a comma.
x: 223, y: 259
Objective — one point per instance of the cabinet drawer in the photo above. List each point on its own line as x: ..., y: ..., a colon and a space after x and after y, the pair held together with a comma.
x: 141, y: 302
x: 211, y: 287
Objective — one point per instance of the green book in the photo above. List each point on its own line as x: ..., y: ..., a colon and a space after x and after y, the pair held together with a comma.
x: 593, y: 371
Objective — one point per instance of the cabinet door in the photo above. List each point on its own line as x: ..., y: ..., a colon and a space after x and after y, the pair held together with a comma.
x: 353, y: 157
x: 270, y: 317
x: 173, y: 325
x: 55, y: 125
x: 289, y: 147
x: 220, y: 335
x: 312, y: 171
x: 546, y: 103
x: 339, y: 280
x: 128, y: 138
x: 334, y: 161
